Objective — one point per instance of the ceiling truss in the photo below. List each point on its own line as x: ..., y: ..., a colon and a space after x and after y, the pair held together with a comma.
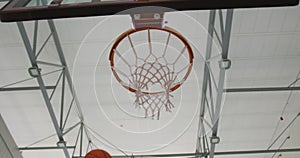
x: 208, y: 101
x: 65, y: 80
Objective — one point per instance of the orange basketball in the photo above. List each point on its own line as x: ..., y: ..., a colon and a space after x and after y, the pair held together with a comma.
x: 97, y: 153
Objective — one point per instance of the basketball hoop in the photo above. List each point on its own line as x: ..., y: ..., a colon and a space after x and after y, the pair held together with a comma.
x: 152, y: 77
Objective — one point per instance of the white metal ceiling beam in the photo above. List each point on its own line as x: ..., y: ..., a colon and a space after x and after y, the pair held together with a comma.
x: 40, y: 81
x: 44, y: 148
x: 237, y: 152
x: 24, y: 88
x: 214, y: 105
x: 261, y: 89
x: 201, y: 139
x: 8, y: 146
x: 220, y: 88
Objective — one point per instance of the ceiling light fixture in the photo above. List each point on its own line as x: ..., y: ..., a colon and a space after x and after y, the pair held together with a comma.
x: 225, y: 64
x: 34, y: 71
x: 215, y: 140
x: 61, y: 143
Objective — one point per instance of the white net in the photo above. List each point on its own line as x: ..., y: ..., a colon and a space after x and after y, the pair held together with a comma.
x: 154, y: 76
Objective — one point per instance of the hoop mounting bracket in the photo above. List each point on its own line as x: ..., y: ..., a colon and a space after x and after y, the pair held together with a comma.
x: 147, y: 20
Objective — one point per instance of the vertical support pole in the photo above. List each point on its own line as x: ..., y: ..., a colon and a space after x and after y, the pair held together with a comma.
x: 62, y: 100
x: 81, y: 139
x: 220, y: 88
x: 40, y: 81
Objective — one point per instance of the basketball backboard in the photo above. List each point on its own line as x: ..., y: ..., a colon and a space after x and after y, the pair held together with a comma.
x: 17, y: 10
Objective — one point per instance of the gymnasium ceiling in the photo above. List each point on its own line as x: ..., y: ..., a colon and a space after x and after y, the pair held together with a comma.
x: 264, y: 50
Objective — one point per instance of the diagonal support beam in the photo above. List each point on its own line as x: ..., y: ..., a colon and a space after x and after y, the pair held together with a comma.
x: 64, y: 63
x: 40, y: 81
x: 68, y: 78
x: 201, y: 131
